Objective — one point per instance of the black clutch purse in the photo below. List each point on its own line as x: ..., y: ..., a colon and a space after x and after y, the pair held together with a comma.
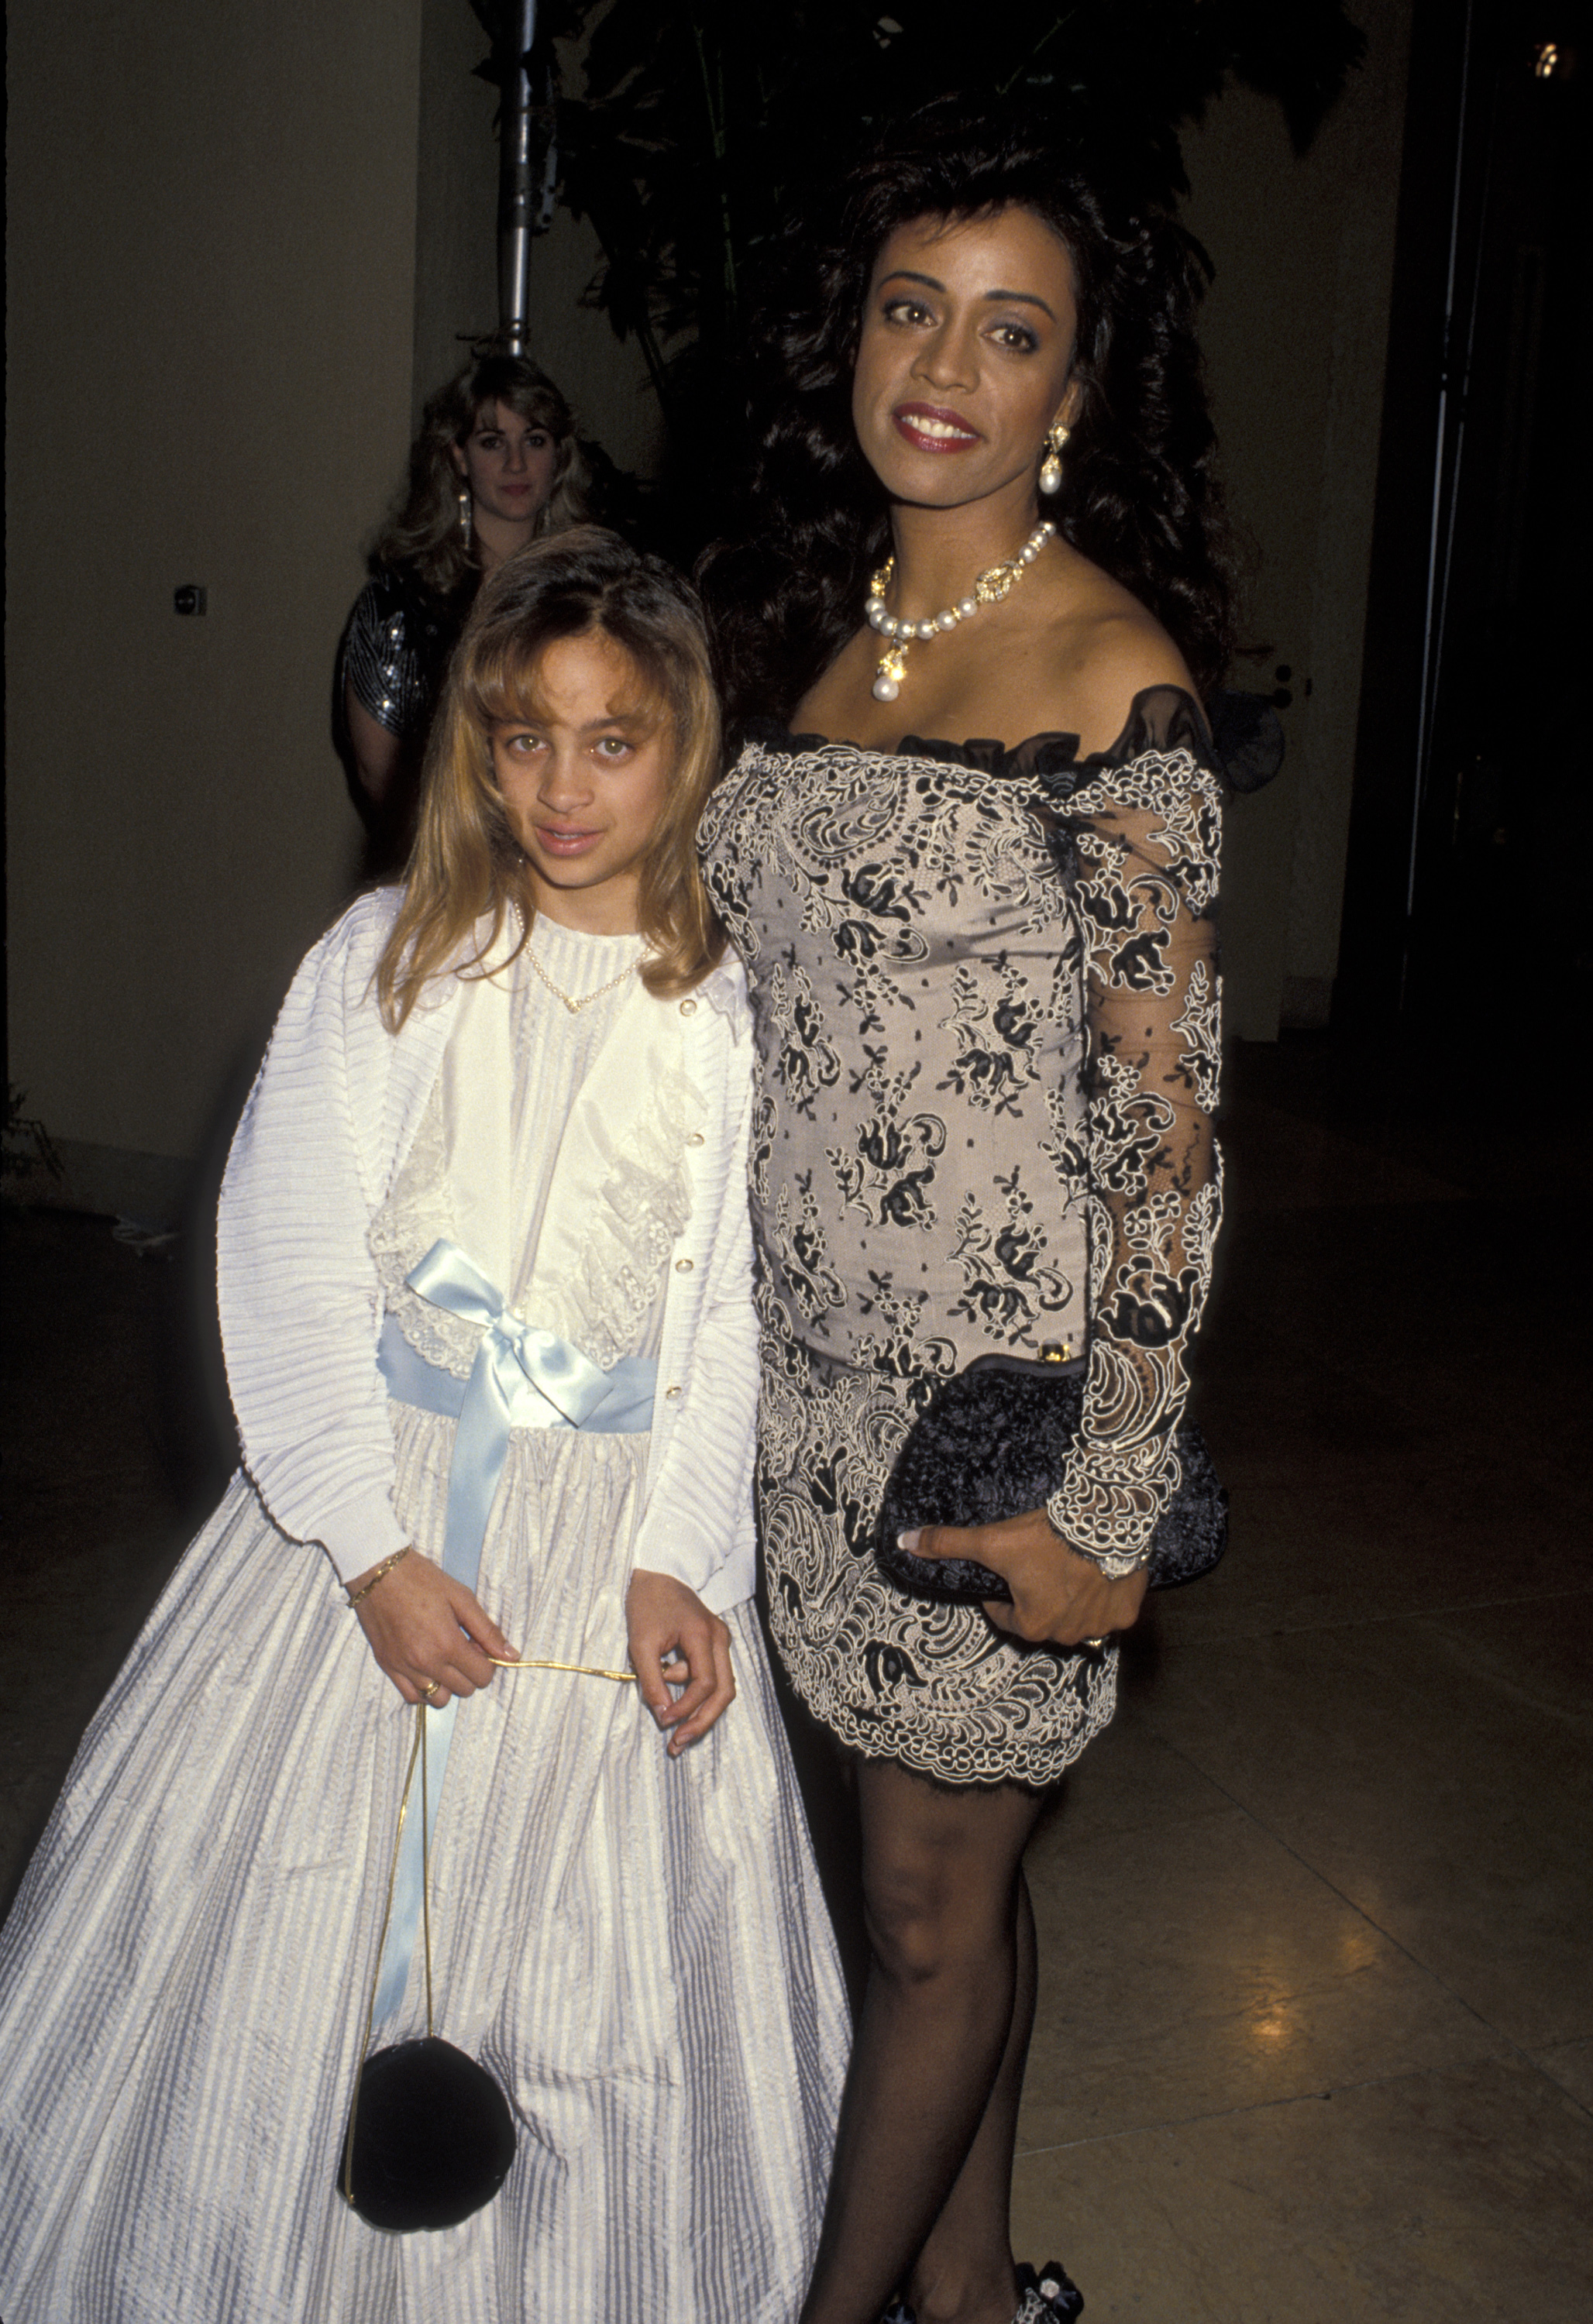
x: 993, y: 1442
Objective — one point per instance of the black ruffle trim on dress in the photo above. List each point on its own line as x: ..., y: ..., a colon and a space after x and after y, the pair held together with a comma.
x: 1248, y: 750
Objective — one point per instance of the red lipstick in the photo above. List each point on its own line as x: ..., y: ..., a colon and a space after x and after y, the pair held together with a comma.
x: 931, y: 427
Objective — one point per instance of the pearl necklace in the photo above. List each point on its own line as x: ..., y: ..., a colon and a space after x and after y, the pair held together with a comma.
x: 585, y: 999
x: 991, y: 586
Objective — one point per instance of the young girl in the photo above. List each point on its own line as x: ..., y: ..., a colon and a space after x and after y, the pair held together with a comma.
x: 491, y: 1180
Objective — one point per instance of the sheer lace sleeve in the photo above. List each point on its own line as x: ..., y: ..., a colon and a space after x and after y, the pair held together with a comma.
x: 1147, y: 836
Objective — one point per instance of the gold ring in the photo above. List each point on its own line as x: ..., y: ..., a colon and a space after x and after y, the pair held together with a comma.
x: 431, y: 1686
x: 1095, y: 1645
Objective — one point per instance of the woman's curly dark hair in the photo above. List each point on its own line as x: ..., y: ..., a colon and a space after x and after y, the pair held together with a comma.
x: 1140, y: 495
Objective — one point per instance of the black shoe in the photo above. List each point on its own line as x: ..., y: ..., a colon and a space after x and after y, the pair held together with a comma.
x: 1050, y: 2296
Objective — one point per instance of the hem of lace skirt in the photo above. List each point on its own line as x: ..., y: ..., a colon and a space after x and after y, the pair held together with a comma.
x: 925, y: 1748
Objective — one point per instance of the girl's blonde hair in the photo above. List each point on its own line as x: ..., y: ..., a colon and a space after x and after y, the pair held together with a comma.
x: 465, y: 862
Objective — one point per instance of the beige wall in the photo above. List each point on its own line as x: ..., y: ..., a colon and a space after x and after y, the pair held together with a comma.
x: 211, y: 250
x: 456, y: 282
x: 607, y: 382
x: 243, y: 242
x: 1295, y: 332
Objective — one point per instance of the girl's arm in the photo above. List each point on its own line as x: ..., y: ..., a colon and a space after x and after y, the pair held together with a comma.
x: 675, y: 1641
x: 695, y: 1541
x: 300, y: 1305
x: 296, y: 1287
x: 698, y: 1524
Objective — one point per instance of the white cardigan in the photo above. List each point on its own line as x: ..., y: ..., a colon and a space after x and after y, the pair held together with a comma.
x: 327, y: 1125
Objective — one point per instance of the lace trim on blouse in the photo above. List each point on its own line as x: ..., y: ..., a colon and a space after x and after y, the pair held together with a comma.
x: 415, y: 1215
x: 637, y: 1216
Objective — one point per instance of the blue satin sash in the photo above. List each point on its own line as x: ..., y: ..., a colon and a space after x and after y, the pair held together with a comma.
x: 522, y: 1378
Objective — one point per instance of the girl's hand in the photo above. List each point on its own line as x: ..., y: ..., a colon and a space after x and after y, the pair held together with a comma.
x: 1058, y: 1596
x: 423, y: 1626
x: 674, y: 1639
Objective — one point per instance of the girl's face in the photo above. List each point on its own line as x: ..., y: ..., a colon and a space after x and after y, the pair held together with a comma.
x: 584, y: 780
x: 963, y: 362
x: 508, y: 463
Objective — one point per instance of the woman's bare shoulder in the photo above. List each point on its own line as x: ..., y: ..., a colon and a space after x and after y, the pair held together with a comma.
x: 1129, y: 655
x: 1085, y: 664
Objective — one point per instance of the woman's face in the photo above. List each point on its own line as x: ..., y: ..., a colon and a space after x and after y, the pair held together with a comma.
x: 584, y: 779
x: 963, y: 362
x: 508, y: 463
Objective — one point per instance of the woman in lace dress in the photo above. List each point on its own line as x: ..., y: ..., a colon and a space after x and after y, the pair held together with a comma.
x: 984, y: 1001
x: 484, y: 1216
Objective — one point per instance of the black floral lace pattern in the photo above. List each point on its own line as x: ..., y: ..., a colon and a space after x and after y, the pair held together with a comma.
x: 985, y: 1012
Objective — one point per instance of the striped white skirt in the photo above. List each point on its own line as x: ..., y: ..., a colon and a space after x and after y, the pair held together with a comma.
x: 635, y: 1948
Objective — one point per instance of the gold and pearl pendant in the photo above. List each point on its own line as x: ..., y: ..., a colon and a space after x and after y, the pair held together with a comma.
x: 989, y: 588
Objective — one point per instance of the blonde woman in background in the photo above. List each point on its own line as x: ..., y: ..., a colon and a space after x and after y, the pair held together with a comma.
x: 495, y: 466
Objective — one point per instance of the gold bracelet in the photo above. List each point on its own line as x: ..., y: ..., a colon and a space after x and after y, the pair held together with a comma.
x: 386, y: 1566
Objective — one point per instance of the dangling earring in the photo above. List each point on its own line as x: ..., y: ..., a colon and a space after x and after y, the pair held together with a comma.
x: 1051, y: 468
x: 466, y: 520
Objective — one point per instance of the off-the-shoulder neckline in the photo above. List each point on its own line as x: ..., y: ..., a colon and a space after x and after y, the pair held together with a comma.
x: 1182, y: 724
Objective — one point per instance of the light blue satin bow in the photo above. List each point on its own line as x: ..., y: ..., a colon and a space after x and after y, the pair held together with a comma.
x: 522, y: 1378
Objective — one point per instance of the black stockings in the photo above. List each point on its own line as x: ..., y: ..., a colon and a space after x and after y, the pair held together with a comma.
x: 923, y: 2162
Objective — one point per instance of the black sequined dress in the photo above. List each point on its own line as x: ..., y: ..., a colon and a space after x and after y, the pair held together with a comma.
x: 395, y: 651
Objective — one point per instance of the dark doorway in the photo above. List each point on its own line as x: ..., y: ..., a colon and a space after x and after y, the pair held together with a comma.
x: 1472, y: 763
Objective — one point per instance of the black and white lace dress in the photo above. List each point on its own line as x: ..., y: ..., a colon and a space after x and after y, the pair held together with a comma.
x: 986, y: 1010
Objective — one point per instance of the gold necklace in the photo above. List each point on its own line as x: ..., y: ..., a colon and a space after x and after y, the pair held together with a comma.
x: 586, y: 1000
x: 989, y: 588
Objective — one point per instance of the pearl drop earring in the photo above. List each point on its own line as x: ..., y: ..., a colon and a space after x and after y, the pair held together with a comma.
x: 1051, y: 468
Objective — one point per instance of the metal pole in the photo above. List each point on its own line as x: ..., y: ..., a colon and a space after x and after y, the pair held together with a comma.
x: 518, y: 194
x: 1454, y: 382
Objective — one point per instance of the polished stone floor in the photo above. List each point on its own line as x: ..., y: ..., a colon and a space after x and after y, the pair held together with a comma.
x: 1316, y: 2022
x: 1316, y: 2027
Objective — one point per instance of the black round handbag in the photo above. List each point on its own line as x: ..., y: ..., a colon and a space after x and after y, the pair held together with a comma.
x: 430, y: 2138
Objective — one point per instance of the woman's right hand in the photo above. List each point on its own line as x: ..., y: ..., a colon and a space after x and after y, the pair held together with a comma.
x: 423, y: 1625
x: 1059, y: 1598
